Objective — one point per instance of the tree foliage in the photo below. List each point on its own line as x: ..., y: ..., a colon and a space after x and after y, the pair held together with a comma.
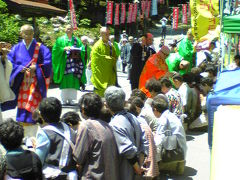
x: 8, y: 24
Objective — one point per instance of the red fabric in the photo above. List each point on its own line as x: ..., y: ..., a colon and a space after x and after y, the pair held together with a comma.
x: 29, y: 94
x: 123, y: 13
x: 73, y: 15
x: 130, y: 12
x: 116, y: 20
x: 109, y: 12
x: 134, y: 14
x: 175, y: 17
x: 154, y: 67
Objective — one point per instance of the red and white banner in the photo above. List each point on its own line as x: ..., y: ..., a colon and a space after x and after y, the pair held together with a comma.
x: 175, y: 17
x: 162, y: 1
x: 116, y: 19
x: 189, y: 10
x: 148, y: 7
x: 143, y: 6
x: 184, y: 13
x: 130, y: 12
x: 123, y: 13
x: 109, y: 12
x: 73, y: 15
x: 134, y: 14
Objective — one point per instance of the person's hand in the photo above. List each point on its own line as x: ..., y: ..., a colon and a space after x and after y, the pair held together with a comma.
x: 67, y: 48
x: 32, y: 68
x: 24, y: 70
x: 138, y: 170
x: 108, y: 57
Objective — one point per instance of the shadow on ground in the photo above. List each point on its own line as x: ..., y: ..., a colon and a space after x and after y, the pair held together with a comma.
x: 190, y: 134
x: 188, y: 173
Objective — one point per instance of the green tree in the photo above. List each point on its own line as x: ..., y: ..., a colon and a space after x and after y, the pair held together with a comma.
x: 8, y: 25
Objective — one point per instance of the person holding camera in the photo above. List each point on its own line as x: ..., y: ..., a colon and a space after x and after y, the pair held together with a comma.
x: 6, y: 94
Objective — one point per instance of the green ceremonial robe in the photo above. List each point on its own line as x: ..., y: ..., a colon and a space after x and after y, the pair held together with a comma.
x: 59, y: 59
x: 118, y: 52
x: 173, y: 61
x: 185, y: 49
x: 103, y: 67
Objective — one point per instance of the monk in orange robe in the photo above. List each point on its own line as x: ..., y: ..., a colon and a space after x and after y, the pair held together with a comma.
x: 155, y: 67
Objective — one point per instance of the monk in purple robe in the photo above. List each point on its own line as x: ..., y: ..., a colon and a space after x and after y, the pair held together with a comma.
x: 30, y: 75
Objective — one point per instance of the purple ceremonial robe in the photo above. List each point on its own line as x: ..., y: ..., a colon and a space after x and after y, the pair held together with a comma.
x: 20, y: 57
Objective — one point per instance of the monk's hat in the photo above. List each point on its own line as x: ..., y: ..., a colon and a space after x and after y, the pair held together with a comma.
x: 164, y: 50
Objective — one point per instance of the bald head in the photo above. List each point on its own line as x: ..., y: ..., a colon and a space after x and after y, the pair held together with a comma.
x: 104, y: 33
x: 69, y: 30
x: 26, y: 27
x: 27, y: 31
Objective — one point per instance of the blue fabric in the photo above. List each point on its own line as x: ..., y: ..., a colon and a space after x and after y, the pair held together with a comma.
x: 226, y: 92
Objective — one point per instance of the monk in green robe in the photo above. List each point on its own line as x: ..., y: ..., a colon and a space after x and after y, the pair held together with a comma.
x: 176, y: 63
x: 68, y: 65
x: 186, y: 50
x: 103, y: 63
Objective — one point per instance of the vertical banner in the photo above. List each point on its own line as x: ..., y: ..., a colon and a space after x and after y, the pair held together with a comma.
x: 184, y: 13
x: 205, y: 16
x: 134, y: 14
x: 143, y: 6
x: 116, y: 19
x: 175, y: 17
x: 154, y: 8
x: 109, y: 12
x: 189, y: 10
x: 73, y: 15
x: 123, y: 13
x: 162, y: 1
x: 130, y: 12
x: 148, y: 7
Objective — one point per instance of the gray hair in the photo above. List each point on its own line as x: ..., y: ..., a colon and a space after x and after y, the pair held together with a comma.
x: 26, y: 27
x: 115, y: 98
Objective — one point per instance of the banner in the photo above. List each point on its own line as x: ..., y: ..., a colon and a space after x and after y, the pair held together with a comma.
x: 148, y: 7
x: 184, y: 13
x: 204, y: 16
x: 134, y: 14
x: 143, y: 6
x: 175, y: 17
x: 189, y: 10
x: 154, y: 8
x: 130, y: 12
x: 109, y: 12
x: 123, y: 13
x: 116, y: 19
x: 73, y: 15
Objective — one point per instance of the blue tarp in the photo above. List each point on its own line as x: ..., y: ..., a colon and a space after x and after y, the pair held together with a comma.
x: 226, y: 92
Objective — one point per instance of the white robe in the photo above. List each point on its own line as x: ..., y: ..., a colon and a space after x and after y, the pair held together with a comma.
x: 6, y: 94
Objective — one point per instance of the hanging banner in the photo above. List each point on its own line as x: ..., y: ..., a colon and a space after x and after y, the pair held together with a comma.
x: 123, y: 13
x: 175, y: 17
x: 189, y: 10
x: 130, y: 11
x: 204, y: 17
x: 73, y: 15
x: 148, y: 7
x: 162, y: 1
x: 184, y: 13
x: 154, y: 8
x: 134, y: 14
x: 116, y: 19
x: 109, y: 12
x: 143, y: 6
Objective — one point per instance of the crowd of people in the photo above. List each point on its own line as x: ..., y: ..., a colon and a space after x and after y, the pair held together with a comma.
x: 116, y: 138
